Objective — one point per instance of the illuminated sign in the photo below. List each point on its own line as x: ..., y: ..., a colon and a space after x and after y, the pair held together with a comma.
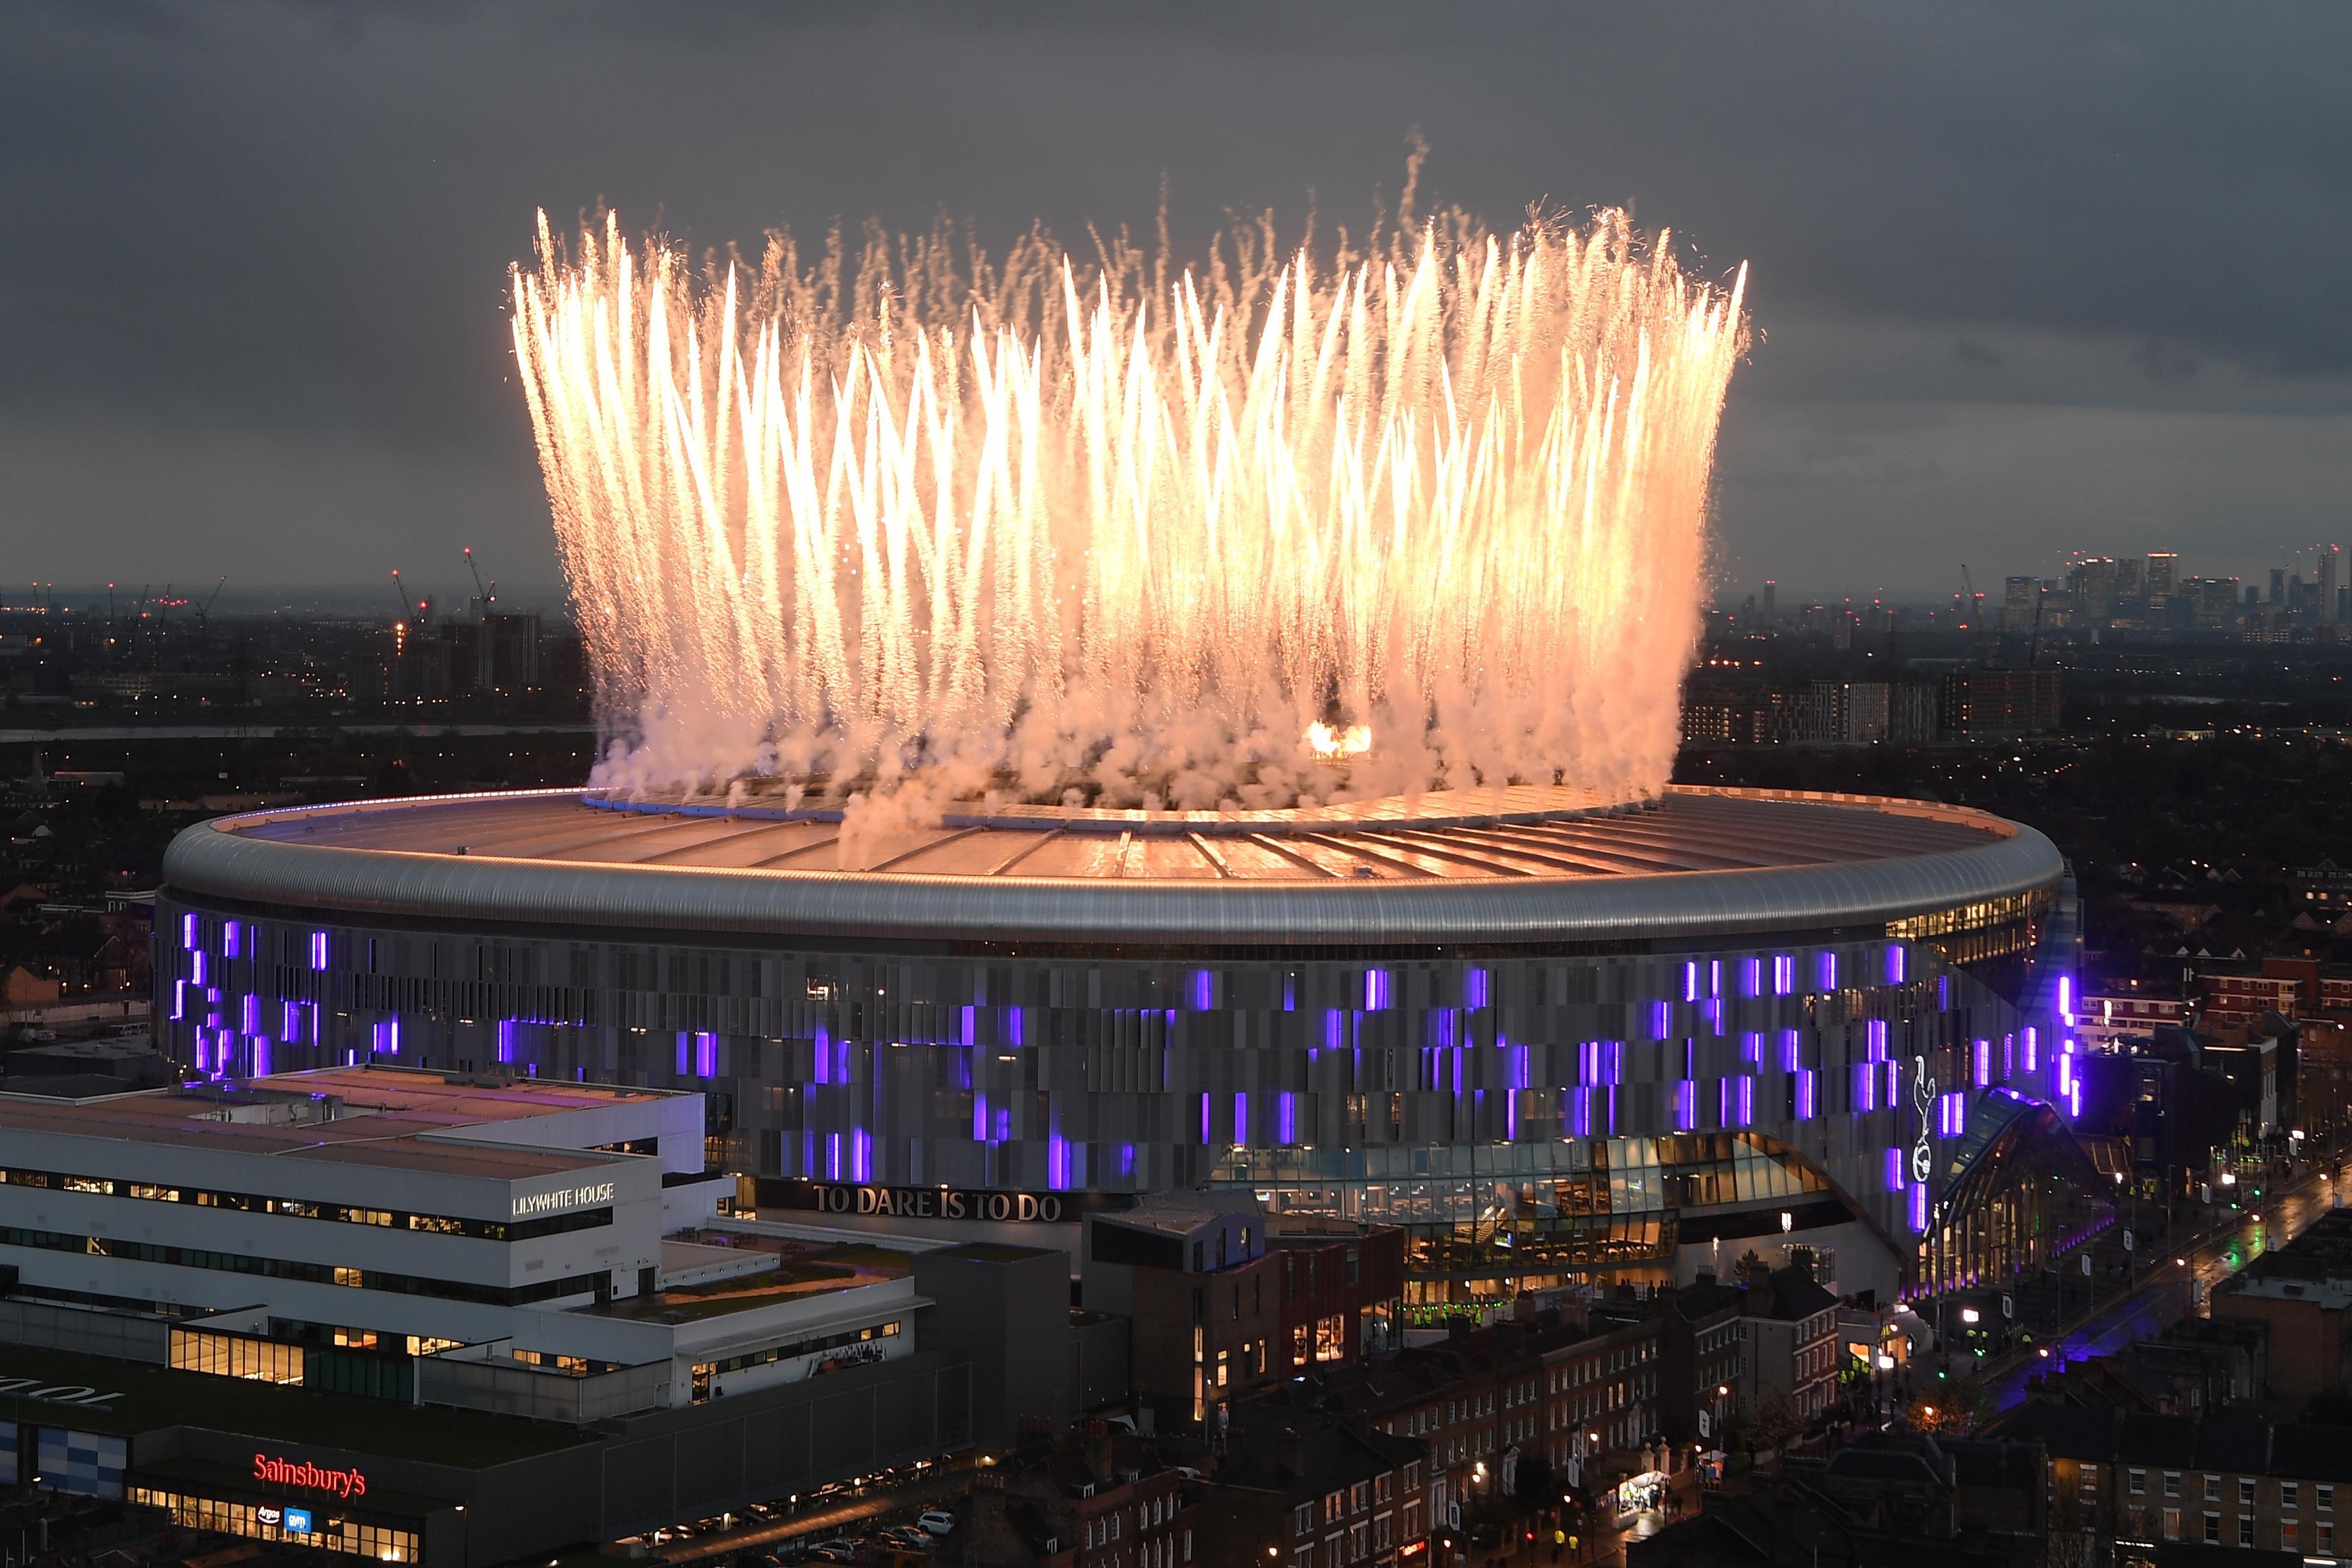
x: 268, y: 1513
x: 304, y: 1473
x: 298, y: 1521
x: 943, y: 1203
x: 563, y: 1200
x: 1923, y: 1095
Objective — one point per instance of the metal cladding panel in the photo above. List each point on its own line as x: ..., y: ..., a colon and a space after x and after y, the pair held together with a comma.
x: 215, y: 860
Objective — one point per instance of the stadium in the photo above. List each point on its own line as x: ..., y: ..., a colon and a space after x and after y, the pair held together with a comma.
x: 1558, y: 1042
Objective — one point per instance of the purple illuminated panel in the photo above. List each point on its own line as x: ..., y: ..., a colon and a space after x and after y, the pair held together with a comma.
x: 1895, y: 1159
x: 2031, y: 1043
x: 1475, y: 986
x: 1808, y: 1095
x: 233, y: 943
x: 317, y: 951
x: 1784, y: 975
x: 1825, y: 972
x: 1751, y: 977
x: 1983, y: 1063
x: 1919, y: 1209
x: 1788, y: 1050
x: 1661, y: 1022
x: 1873, y: 1035
x: 1865, y: 1086
x: 1686, y: 1105
x: 1204, y: 990
x: 1894, y: 963
x: 1690, y: 982
x: 706, y: 1056
x: 1241, y: 1118
x: 1285, y: 1118
x: 188, y: 932
x: 1378, y: 989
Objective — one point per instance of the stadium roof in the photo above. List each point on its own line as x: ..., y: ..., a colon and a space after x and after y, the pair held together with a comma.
x: 1515, y: 866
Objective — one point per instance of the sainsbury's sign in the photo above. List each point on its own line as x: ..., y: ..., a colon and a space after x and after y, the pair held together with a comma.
x: 304, y: 1473
x: 563, y: 1200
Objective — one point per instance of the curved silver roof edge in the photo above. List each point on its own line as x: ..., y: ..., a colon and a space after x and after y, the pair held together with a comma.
x: 394, y: 883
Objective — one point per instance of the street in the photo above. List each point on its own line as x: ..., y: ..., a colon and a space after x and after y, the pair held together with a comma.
x: 2162, y: 1298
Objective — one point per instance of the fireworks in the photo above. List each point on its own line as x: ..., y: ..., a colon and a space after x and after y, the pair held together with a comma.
x: 1133, y: 535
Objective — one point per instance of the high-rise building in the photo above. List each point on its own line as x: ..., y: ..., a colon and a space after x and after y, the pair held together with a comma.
x: 2278, y: 585
x: 2017, y: 604
x: 2330, y: 561
x: 2094, y: 581
x: 2163, y: 575
x: 1771, y: 612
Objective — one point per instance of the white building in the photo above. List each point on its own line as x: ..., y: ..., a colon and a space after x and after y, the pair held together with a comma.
x: 544, y: 1248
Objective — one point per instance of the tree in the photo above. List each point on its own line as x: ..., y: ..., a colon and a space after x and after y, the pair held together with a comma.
x: 1774, y: 1423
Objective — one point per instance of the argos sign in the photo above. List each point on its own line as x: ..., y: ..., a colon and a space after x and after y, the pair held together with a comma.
x: 304, y: 1473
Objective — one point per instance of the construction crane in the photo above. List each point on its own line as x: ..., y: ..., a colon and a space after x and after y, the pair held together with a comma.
x: 489, y: 595
x: 205, y: 610
x: 423, y: 606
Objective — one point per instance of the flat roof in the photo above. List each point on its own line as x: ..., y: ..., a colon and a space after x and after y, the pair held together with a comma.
x: 390, y: 1118
x: 1522, y: 863
x: 148, y: 1397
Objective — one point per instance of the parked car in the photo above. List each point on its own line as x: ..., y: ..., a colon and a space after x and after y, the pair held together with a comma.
x: 936, y: 1522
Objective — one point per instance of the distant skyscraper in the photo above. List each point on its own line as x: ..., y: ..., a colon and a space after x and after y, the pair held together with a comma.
x: 2330, y: 558
x: 2278, y: 585
x: 2163, y: 574
x: 1771, y: 614
x: 2017, y: 605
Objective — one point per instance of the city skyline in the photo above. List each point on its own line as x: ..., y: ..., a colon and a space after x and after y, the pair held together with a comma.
x: 259, y: 258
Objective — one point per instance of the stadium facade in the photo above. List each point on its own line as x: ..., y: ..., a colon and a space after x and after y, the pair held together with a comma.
x: 1554, y: 1040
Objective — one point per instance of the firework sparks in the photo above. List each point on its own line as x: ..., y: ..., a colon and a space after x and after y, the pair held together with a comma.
x: 1142, y: 539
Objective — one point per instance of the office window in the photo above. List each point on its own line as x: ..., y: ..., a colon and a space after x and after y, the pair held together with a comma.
x: 2212, y: 1530
x: 2172, y: 1483
x: 2290, y: 1492
x: 2245, y: 1530
x: 2138, y: 1482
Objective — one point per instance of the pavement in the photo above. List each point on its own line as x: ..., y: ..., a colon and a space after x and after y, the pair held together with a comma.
x: 2164, y: 1295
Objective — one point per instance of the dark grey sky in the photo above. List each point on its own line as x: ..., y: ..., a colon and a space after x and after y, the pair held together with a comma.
x: 2029, y: 279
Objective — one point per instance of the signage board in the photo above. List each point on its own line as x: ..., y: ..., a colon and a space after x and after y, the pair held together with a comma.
x: 283, y: 1472
x: 980, y: 1203
x: 298, y: 1521
x: 563, y: 1200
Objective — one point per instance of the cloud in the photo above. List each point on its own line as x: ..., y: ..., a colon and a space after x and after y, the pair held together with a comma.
x: 282, y: 230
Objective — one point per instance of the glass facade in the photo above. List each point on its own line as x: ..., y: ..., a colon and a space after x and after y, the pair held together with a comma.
x: 266, y: 1522
x: 1528, y: 1114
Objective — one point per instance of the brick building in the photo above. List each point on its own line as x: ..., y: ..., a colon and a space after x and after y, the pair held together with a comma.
x: 1090, y: 1498
x: 1192, y: 1274
x: 1342, y: 1295
x: 2233, y: 1478
x: 2303, y: 1294
x: 1305, y: 1489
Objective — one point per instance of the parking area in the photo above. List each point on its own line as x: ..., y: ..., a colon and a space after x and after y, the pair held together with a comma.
x: 871, y: 1518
